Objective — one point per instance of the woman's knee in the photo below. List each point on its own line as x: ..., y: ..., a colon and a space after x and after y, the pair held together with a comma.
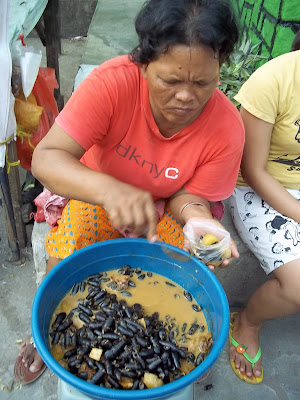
x: 288, y: 277
x: 52, y: 262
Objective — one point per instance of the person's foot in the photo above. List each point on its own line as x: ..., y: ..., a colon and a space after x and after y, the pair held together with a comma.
x: 247, y: 335
x: 30, y: 357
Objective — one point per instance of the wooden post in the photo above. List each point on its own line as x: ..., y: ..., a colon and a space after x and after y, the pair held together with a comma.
x: 52, y: 40
x: 9, y: 217
x: 16, y: 197
x: 39, y: 28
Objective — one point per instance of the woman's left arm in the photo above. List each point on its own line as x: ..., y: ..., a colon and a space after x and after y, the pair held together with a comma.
x: 182, y: 212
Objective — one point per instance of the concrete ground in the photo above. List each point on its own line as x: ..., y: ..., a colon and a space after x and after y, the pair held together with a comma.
x: 111, y: 32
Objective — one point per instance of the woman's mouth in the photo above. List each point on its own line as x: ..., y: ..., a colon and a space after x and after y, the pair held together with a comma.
x: 181, y: 111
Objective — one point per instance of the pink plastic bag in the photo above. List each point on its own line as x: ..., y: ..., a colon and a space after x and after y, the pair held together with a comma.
x: 49, y: 207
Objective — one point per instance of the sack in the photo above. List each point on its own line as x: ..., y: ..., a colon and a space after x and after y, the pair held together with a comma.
x: 43, y: 93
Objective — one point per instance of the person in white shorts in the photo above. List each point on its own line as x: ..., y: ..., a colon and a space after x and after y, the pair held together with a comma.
x: 265, y: 205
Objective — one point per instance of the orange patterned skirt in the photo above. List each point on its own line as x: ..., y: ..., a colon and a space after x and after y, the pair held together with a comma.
x: 82, y: 224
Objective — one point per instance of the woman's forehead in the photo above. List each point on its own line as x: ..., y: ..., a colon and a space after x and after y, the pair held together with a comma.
x: 187, y: 59
x: 189, y: 54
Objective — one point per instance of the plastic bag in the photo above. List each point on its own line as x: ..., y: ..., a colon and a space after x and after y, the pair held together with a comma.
x: 27, y: 113
x: 43, y: 93
x: 16, y: 77
x: 214, y: 254
x: 28, y: 60
x: 49, y: 207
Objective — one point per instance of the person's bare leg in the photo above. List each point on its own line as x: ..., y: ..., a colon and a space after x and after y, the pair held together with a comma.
x: 276, y: 298
x: 52, y: 262
x: 33, y: 359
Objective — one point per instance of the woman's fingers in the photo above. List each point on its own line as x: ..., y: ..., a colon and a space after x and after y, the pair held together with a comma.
x: 234, y: 254
x: 141, y: 217
x: 186, y: 244
x: 211, y: 267
x: 152, y: 220
x: 134, y: 209
x: 225, y: 263
x: 234, y: 251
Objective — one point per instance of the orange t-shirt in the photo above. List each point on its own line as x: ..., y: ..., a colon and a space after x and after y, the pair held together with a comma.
x: 109, y: 115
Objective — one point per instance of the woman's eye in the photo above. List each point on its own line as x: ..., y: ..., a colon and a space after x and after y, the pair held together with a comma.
x: 170, y: 82
x: 201, y: 84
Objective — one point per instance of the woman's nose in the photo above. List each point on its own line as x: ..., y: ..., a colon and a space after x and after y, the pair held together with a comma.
x: 185, y: 95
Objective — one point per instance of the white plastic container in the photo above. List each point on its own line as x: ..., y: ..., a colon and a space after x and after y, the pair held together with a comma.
x: 68, y: 392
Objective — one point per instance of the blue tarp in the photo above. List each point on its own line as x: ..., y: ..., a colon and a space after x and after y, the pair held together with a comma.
x: 23, y: 15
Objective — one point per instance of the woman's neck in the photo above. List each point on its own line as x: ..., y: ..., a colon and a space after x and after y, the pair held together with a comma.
x: 167, y: 129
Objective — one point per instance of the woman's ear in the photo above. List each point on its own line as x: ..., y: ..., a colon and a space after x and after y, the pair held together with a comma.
x: 144, y: 68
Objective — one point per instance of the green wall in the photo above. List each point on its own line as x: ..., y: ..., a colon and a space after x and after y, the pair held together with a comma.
x: 273, y: 23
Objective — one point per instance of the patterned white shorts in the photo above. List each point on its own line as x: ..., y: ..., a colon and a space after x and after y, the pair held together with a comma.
x: 273, y: 238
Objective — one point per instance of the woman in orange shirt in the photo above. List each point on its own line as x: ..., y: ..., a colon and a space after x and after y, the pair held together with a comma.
x: 146, y: 131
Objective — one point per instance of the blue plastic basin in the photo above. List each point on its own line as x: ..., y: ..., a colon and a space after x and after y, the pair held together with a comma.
x: 186, y: 271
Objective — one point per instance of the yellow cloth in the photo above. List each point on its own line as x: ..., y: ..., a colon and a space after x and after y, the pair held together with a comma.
x: 272, y: 94
x: 82, y: 224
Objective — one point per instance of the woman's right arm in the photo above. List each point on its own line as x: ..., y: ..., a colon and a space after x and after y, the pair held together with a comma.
x: 254, y: 167
x: 56, y: 164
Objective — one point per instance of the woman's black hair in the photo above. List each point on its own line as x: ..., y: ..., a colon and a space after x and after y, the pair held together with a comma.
x: 161, y: 24
x: 296, y: 42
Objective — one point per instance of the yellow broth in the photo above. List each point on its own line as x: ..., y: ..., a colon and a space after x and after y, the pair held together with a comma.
x: 155, y: 293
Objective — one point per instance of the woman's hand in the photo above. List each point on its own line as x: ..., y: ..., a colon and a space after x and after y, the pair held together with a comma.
x: 202, y: 226
x: 131, y: 208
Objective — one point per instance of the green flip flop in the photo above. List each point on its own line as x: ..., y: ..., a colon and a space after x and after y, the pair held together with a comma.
x: 241, y: 349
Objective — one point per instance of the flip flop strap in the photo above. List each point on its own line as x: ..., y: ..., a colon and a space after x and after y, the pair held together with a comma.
x: 253, y: 360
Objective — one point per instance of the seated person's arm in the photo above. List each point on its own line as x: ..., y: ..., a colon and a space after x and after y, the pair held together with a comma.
x: 254, y: 163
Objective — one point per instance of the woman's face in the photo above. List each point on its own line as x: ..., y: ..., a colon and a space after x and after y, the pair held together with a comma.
x: 180, y: 83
